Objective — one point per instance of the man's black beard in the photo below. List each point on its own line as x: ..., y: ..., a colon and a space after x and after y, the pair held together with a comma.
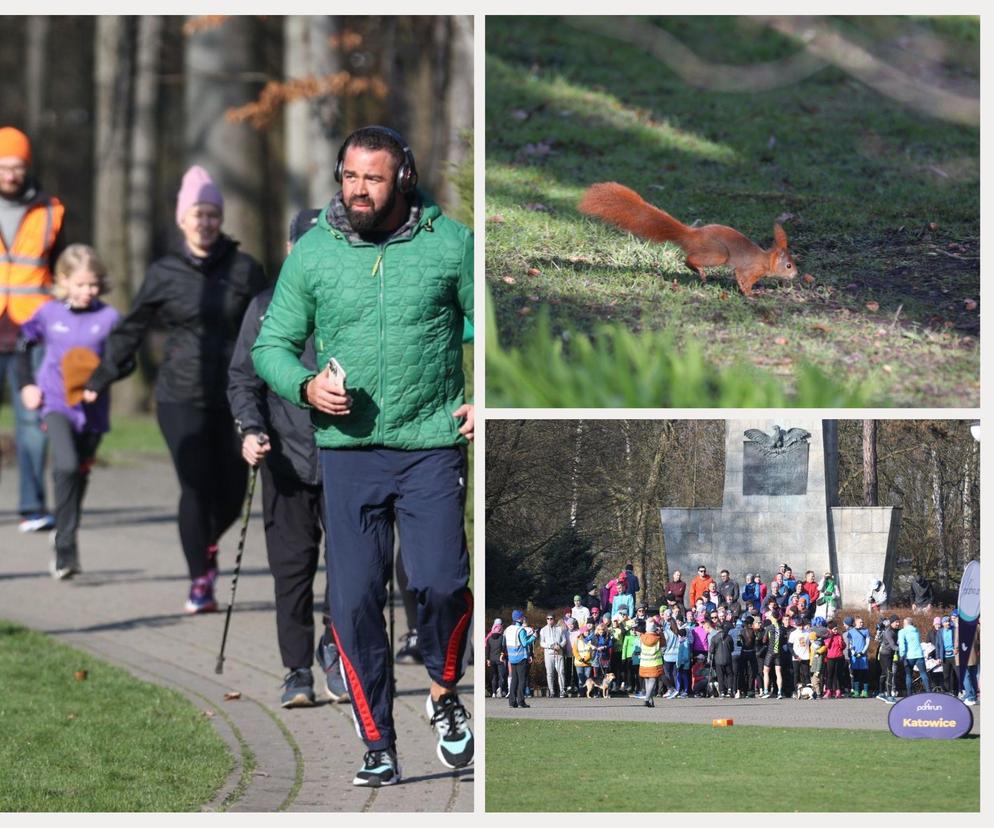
x: 365, y: 221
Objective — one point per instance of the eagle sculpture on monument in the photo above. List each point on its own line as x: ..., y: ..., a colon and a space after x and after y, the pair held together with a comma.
x: 779, y: 441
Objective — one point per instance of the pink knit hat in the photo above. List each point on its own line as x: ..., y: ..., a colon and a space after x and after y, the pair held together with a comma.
x: 197, y: 188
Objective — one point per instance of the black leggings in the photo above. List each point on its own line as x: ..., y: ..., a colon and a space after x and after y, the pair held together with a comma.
x: 208, y: 460
x: 834, y: 671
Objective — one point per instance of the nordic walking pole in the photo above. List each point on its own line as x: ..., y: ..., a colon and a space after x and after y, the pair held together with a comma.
x: 219, y: 668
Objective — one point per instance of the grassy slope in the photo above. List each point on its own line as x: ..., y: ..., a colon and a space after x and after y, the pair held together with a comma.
x: 666, y: 767
x: 857, y: 172
x: 110, y: 743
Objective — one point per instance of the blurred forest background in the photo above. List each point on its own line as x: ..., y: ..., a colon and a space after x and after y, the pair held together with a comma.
x: 570, y: 502
x: 118, y: 107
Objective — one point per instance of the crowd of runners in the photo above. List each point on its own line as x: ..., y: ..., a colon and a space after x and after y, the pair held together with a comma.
x: 709, y: 638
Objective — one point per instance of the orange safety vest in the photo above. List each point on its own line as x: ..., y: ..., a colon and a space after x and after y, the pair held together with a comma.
x: 25, y: 277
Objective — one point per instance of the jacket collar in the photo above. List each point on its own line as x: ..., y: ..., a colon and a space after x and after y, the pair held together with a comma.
x: 421, y: 214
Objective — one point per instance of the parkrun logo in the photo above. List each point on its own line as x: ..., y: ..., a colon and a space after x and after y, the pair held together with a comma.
x: 922, y: 716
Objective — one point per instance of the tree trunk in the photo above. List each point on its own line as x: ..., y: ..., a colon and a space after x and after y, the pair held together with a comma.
x: 219, y: 63
x: 36, y: 74
x: 458, y: 106
x: 110, y: 194
x: 575, y: 477
x: 134, y: 394
x: 870, y: 463
x: 967, y: 548
x: 313, y: 128
x: 939, y: 513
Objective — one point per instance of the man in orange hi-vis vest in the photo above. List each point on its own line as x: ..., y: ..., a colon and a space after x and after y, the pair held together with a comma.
x: 30, y: 242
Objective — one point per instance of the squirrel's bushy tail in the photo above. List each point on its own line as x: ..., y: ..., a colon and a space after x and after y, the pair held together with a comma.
x: 624, y: 208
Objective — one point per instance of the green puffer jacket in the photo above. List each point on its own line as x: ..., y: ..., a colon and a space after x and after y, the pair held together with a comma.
x: 390, y: 313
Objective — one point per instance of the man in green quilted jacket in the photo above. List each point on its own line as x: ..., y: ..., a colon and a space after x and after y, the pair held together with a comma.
x: 384, y: 282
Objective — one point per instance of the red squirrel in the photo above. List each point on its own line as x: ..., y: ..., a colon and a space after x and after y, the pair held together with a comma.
x: 709, y: 246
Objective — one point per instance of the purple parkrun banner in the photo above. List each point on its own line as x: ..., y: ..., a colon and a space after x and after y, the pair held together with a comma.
x: 968, y: 609
x: 930, y: 716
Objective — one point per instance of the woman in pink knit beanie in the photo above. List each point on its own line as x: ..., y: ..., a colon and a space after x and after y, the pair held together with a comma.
x: 199, y: 294
x: 199, y: 210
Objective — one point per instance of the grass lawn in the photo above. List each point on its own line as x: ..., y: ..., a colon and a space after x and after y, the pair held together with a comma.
x: 672, y: 767
x: 109, y: 743
x: 880, y: 202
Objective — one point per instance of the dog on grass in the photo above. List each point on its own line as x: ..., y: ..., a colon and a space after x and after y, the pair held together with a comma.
x: 605, y: 686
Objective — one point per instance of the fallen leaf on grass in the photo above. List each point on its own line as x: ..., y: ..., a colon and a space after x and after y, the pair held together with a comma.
x: 497, y: 218
x: 209, y: 714
x: 780, y: 340
x: 881, y: 332
x: 534, y: 298
x: 872, y: 306
x: 821, y: 327
x: 509, y: 280
x: 888, y: 369
x: 970, y: 304
x: 81, y: 675
x: 808, y: 279
x: 525, y: 311
x: 232, y: 695
x: 71, y: 716
x: 534, y: 271
x: 723, y: 295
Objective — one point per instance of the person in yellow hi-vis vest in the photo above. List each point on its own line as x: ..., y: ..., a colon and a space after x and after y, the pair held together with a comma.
x: 30, y: 242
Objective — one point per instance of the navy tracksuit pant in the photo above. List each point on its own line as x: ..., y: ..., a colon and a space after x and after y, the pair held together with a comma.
x: 365, y: 489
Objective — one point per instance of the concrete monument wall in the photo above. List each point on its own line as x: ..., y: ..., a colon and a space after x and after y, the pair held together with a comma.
x: 803, y: 528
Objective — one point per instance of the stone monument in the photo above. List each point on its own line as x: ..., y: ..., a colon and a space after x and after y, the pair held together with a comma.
x: 780, y: 505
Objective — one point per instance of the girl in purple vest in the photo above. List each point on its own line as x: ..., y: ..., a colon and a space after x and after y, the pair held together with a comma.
x: 73, y: 329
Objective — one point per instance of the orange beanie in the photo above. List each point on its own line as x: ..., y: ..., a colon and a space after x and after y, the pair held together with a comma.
x: 14, y: 143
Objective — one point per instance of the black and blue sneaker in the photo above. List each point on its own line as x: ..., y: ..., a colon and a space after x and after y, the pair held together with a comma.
x: 328, y: 660
x: 298, y: 688
x: 379, y: 768
x: 455, y: 739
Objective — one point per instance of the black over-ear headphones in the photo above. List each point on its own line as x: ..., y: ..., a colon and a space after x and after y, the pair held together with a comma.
x: 407, y: 172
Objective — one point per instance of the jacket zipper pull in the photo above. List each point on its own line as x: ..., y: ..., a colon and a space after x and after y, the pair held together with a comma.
x: 376, y: 264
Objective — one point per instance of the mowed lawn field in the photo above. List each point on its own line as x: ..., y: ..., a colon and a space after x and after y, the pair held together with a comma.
x: 630, y: 766
x: 880, y: 201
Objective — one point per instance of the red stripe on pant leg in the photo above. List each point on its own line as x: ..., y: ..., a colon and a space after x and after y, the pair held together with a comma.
x: 358, y: 696
x: 452, y: 651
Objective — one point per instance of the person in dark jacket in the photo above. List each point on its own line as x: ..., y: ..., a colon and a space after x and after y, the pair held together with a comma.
x: 199, y: 293
x: 887, y: 656
x: 944, y: 641
x: 727, y: 588
x: 496, y: 656
x: 921, y: 594
x: 279, y: 438
x: 720, y: 653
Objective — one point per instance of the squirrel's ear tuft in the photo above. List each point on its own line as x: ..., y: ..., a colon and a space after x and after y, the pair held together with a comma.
x: 779, y: 236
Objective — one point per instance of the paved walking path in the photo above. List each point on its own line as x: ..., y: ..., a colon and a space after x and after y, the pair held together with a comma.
x: 855, y: 714
x: 127, y: 607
